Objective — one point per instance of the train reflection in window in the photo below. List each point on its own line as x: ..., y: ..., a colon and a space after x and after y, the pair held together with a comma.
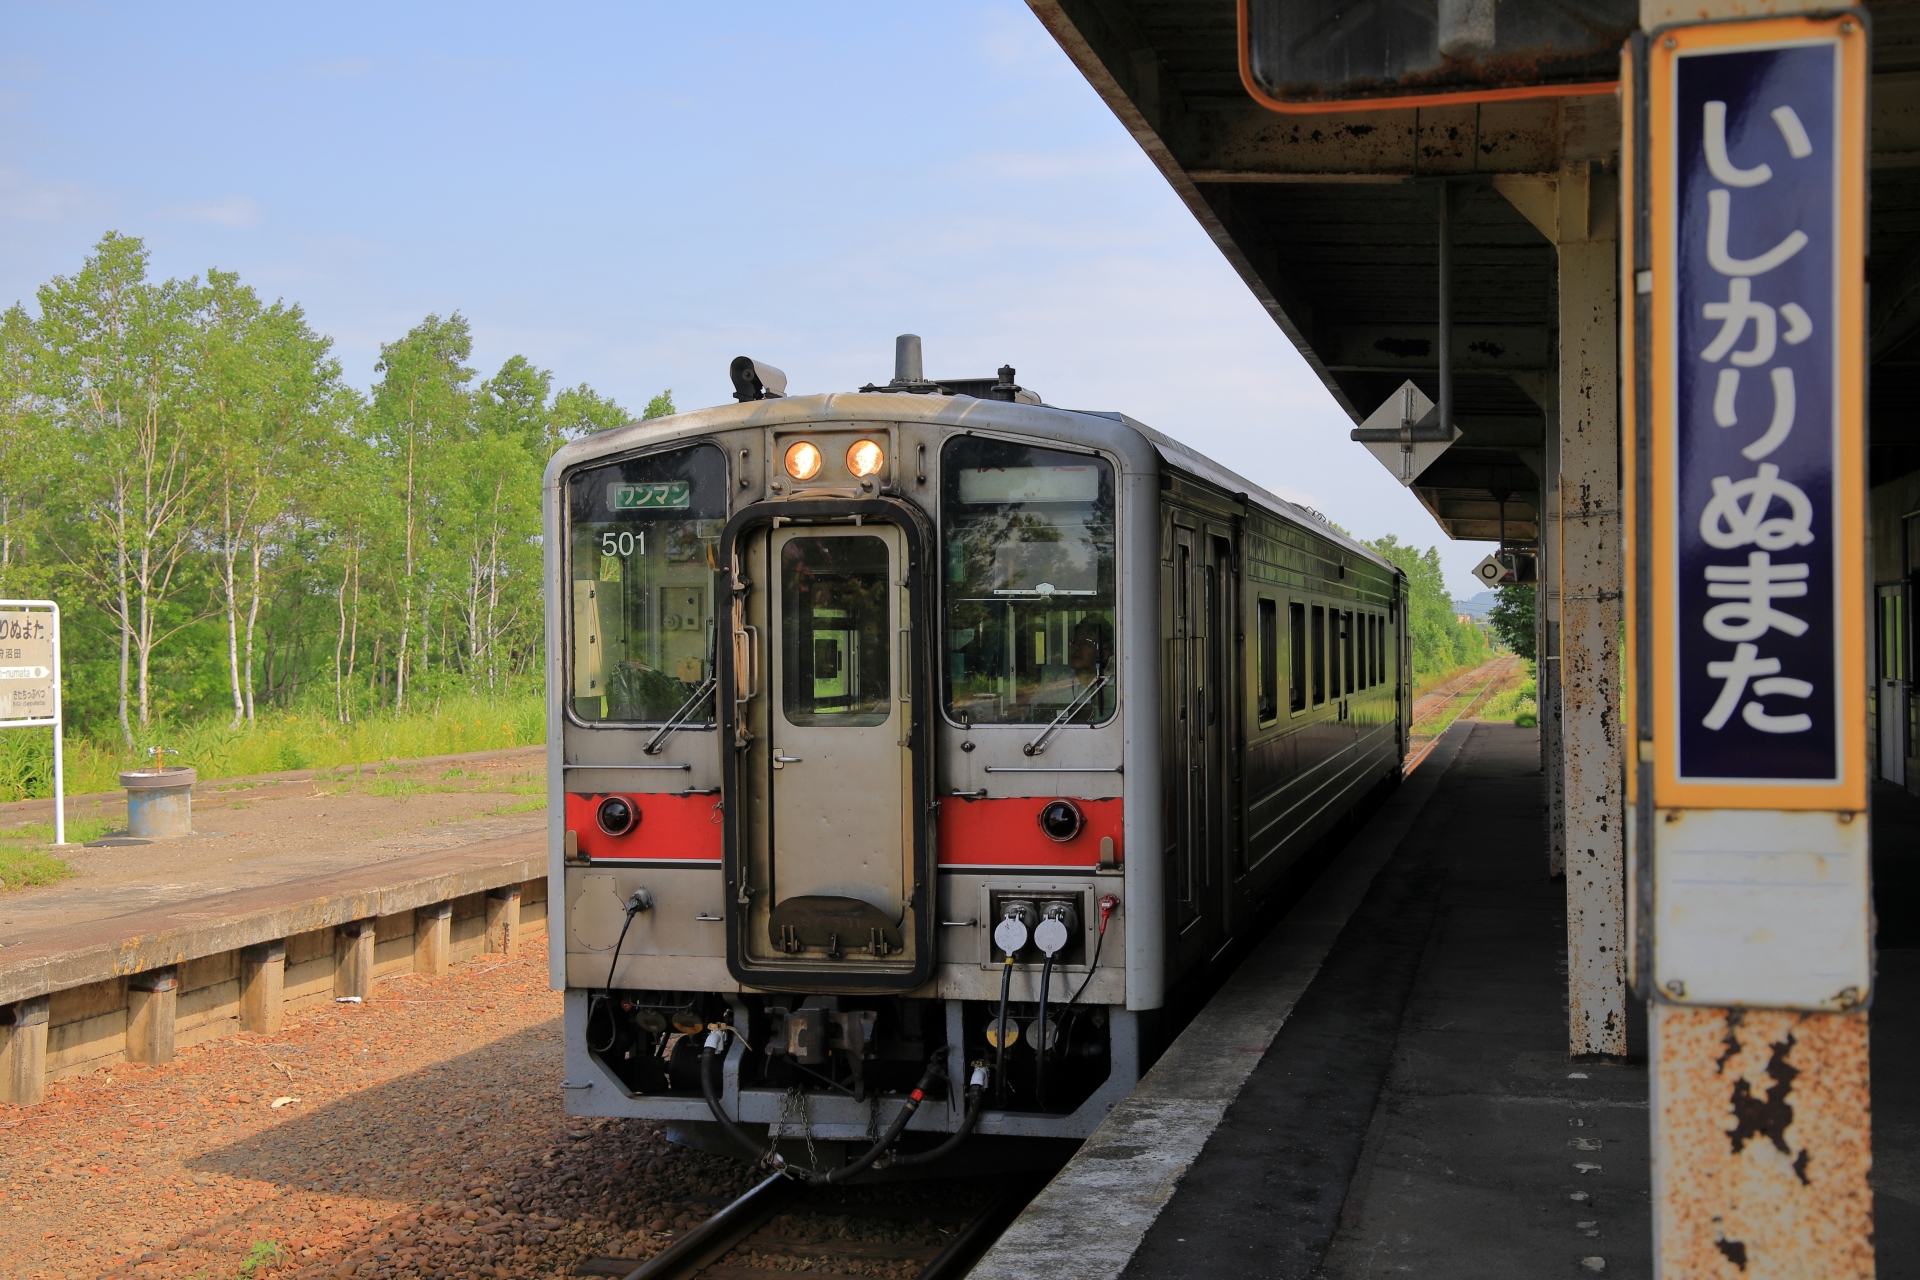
x: 643, y: 533
x: 1029, y: 539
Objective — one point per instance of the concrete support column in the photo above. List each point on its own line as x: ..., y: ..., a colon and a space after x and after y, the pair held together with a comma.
x: 152, y: 1000
x: 263, y: 971
x: 23, y: 1053
x: 1761, y: 1150
x: 432, y: 938
x: 503, y: 921
x: 353, y: 960
x: 1547, y: 664
x: 1591, y: 612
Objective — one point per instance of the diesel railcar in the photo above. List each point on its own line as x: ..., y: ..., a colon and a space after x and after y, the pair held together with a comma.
x: 910, y: 748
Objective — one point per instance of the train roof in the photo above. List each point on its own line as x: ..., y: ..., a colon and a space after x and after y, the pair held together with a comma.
x: 942, y: 410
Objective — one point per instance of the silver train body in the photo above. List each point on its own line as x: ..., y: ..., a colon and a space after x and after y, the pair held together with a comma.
x: 815, y: 735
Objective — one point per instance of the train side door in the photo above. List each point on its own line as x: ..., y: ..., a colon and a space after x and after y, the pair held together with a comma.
x: 1196, y: 763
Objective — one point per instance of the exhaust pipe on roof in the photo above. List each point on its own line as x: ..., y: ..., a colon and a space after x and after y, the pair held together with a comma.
x: 907, y: 367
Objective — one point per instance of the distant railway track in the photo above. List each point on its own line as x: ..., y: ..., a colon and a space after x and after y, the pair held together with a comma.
x: 1456, y: 699
x: 931, y: 1230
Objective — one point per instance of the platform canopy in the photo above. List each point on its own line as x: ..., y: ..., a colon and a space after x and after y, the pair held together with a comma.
x: 1330, y: 216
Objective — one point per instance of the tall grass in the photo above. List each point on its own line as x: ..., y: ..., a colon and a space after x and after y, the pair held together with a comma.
x: 277, y: 741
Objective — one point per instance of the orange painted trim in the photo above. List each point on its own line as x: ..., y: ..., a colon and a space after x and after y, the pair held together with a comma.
x: 672, y: 828
x: 996, y: 834
x: 1629, y: 427
x: 1850, y: 793
x: 1453, y: 98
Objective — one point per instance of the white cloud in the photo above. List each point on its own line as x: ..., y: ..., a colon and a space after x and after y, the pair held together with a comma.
x: 29, y: 199
x: 227, y: 211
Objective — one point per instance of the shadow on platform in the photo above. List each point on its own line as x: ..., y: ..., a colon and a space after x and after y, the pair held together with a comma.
x: 1418, y: 1114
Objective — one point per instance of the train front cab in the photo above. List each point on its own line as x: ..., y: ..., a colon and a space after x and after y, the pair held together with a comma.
x: 821, y: 733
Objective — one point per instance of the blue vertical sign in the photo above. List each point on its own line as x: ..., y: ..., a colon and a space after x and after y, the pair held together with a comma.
x: 1756, y: 439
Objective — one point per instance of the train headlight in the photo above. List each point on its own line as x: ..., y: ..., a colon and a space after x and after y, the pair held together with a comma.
x: 865, y: 458
x: 616, y: 815
x: 803, y: 460
x: 1061, y: 820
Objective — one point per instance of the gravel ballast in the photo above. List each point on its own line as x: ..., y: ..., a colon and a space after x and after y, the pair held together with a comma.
x: 419, y: 1134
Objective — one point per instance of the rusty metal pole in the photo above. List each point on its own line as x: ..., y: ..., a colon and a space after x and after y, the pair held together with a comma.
x: 1590, y: 599
x: 1744, y: 155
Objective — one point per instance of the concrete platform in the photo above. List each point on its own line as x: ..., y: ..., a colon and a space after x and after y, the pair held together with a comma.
x: 1384, y: 1089
x: 321, y: 886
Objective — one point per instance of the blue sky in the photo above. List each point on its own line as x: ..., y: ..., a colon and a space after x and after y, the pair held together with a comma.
x: 631, y: 195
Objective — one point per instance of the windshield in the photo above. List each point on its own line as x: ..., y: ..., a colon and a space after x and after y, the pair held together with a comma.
x: 1029, y: 582
x: 643, y: 538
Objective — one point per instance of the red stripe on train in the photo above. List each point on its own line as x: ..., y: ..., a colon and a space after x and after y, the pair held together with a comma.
x: 671, y: 828
x: 1006, y: 833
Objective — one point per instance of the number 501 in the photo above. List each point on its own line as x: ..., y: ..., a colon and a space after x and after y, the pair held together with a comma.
x: 623, y: 544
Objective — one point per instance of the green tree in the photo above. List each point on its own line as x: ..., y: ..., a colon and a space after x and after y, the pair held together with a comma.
x: 1441, y: 640
x: 1512, y: 618
x: 114, y: 353
x: 421, y: 400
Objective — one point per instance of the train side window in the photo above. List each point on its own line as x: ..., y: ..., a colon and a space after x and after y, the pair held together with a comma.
x: 1379, y: 650
x: 1319, y: 655
x: 1296, y: 656
x: 1346, y: 648
x: 1268, y: 626
x: 1365, y: 623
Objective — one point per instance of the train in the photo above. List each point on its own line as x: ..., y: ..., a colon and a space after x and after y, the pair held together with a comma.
x: 916, y: 752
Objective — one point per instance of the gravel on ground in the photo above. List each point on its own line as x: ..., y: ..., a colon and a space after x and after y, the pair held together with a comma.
x: 420, y: 1134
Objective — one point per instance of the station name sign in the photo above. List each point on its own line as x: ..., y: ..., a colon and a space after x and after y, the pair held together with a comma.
x: 1758, y: 461
x: 26, y: 666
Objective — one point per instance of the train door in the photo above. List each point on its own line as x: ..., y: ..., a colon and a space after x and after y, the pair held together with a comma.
x: 838, y: 784
x: 1197, y: 762
x: 1892, y: 680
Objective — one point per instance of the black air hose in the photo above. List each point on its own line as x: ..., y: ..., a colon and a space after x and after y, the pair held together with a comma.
x: 1000, y: 1041
x: 710, y: 1055
x: 976, y: 1103
x: 1040, y: 1039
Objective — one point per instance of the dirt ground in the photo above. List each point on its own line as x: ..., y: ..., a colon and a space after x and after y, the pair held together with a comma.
x: 420, y: 1134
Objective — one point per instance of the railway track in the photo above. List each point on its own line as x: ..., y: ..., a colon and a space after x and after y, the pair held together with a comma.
x: 926, y: 1230
x: 1458, y: 698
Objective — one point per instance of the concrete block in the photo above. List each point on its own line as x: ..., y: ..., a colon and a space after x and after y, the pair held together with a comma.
x: 468, y: 936
x: 263, y: 978
x: 353, y: 960
x: 152, y: 999
x: 208, y: 971
x: 503, y: 921
x: 23, y: 1053
x: 433, y: 938
x: 315, y: 944
x: 76, y: 1048
x: 397, y: 925
x: 314, y: 978
x: 202, y: 1005
x: 78, y: 1004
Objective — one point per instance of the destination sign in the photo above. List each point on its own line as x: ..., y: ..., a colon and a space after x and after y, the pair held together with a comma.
x: 658, y: 495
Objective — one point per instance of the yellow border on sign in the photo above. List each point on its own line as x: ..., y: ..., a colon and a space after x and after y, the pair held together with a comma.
x: 1850, y: 792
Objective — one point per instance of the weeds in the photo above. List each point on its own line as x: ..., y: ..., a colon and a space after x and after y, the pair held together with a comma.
x: 262, y: 1253
x: 1517, y: 704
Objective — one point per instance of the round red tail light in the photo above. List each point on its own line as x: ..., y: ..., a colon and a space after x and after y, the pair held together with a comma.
x: 1061, y: 820
x: 616, y: 815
